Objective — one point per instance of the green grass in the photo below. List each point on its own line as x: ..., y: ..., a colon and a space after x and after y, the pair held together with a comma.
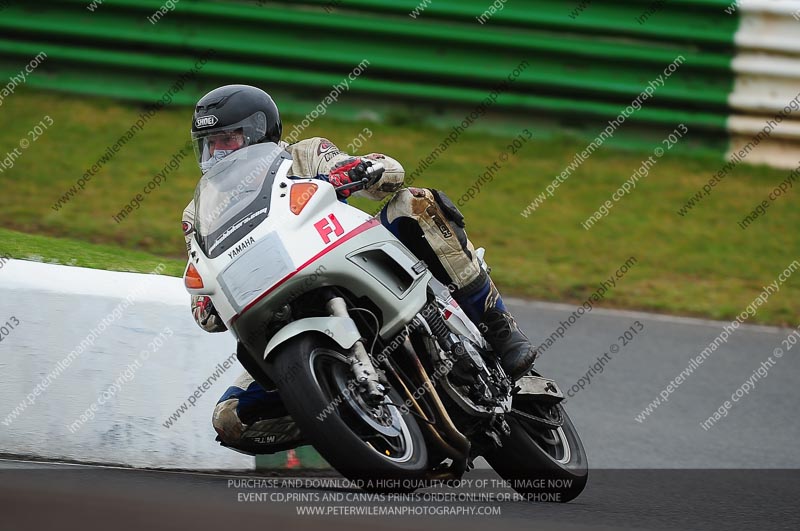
x: 78, y: 253
x: 702, y: 264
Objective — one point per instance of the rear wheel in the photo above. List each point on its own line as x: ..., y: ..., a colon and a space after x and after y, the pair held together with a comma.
x: 540, y: 463
x: 359, y: 440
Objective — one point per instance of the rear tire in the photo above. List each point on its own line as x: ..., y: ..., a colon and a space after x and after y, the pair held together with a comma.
x: 541, y: 464
x: 360, y: 442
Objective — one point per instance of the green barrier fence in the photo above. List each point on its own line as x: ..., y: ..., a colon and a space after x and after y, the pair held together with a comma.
x: 571, y: 68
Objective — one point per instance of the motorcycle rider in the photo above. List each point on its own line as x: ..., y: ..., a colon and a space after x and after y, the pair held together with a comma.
x: 231, y: 117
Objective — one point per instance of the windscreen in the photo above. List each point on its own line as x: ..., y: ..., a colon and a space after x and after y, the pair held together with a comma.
x: 233, y: 197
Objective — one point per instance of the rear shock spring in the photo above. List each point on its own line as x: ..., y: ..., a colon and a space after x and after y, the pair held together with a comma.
x: 439, y: 328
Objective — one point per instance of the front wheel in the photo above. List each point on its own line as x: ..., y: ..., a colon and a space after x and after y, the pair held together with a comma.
x: 361, y: 441
x: 541, y: 464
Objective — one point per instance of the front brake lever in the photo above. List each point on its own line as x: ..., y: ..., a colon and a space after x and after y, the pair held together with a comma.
x: 354, y: 184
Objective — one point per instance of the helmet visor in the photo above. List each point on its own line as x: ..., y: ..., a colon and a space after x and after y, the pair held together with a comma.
x: 213, y: 144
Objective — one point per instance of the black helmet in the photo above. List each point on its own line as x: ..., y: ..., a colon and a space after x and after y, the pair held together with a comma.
x: 230, y: 118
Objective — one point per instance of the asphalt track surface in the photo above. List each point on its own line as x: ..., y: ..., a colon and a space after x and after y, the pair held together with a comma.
x: 68, y: 497
x: 761, y: 429
x: 665, y: 472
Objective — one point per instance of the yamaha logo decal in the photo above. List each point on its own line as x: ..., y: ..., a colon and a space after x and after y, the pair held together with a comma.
x: 206, y: 121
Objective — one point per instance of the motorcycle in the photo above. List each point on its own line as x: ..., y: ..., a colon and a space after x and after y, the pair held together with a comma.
x: 379, y: 367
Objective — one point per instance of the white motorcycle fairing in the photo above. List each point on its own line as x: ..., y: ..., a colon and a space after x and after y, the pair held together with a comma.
x: 258, y: 243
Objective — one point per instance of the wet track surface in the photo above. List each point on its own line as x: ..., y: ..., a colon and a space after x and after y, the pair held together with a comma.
x: 662, y: 487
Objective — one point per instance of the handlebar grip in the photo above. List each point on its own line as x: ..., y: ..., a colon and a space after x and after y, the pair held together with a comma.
x: 371, y: 175
x: 375, y: 171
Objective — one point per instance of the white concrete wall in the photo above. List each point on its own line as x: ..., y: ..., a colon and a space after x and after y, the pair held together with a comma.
x: 767, y: 68
x: 57, y: 308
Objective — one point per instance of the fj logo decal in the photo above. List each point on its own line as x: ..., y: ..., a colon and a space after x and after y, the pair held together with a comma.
x: 324, y: 228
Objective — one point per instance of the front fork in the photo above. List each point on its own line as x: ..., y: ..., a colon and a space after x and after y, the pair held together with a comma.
x: 363, y: 370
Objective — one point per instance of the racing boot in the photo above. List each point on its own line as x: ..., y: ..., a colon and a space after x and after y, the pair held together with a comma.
x: 252, y: 420
x: 486, y: 309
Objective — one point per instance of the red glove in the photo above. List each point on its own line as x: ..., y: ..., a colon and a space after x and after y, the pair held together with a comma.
x: 350, y: 171
x: 206, y: 315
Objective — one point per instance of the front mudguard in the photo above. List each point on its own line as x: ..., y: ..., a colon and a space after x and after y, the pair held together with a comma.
x: 341, y: 329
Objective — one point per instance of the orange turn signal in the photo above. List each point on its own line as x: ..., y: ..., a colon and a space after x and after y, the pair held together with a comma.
x: 192, y: 278
x: 300, y: 195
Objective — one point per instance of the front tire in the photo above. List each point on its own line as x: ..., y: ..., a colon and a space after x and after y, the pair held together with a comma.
x: 541, y: 464
x: 361, y: 442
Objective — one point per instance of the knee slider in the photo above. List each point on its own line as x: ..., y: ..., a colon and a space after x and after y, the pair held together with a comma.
x: 226, y: 421
x: 436, y: 206
x: 438, y: 220
x: 449, y: 209
x: 420, y: 205
x: 454, y: 217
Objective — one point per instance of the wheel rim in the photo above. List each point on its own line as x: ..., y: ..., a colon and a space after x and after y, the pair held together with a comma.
x: 380, y: 427
x: 553, y: 442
